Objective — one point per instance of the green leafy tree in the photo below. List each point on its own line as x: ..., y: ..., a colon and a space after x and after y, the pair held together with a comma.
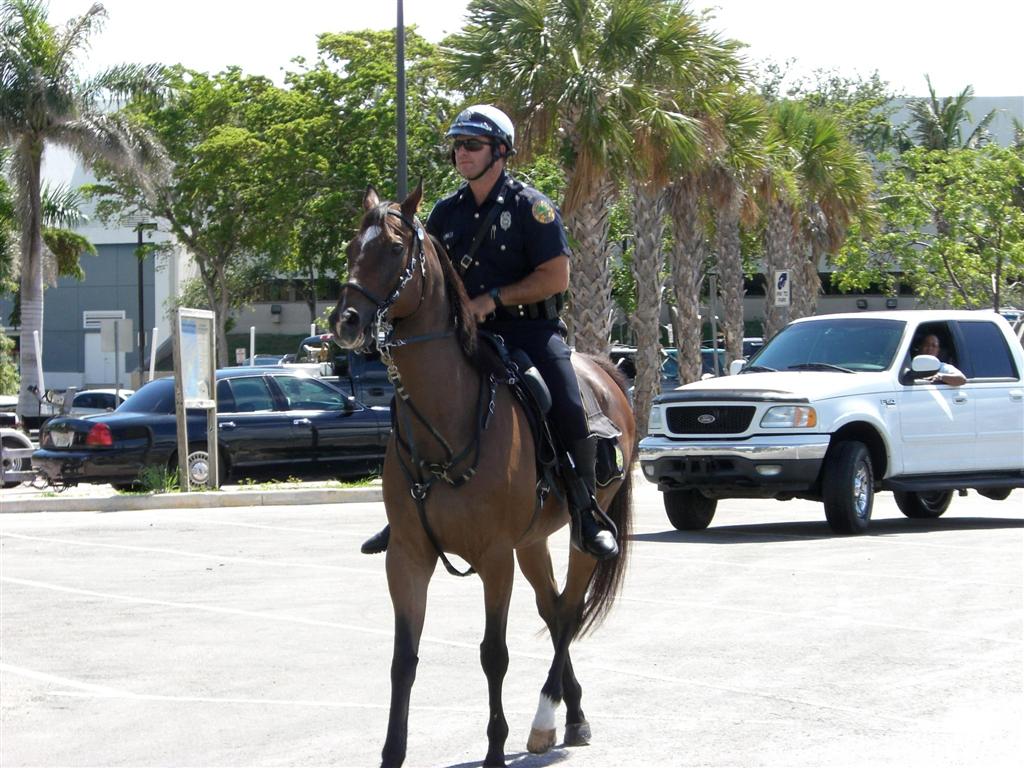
x: 345, y: 129
x: 227, y: 201
x: 977, y: 258
x: 44, y: 101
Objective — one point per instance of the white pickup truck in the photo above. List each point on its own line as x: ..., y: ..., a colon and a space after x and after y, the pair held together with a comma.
x: 837, y: 407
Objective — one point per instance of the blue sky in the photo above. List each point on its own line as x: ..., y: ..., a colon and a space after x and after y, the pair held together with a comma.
x: 957, y: 43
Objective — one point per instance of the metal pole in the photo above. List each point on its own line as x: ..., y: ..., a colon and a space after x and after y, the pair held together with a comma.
x: 403, y: 179
x: 142, y: 319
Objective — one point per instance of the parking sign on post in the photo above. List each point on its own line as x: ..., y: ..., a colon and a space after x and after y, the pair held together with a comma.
x: 781, y: 288
x: 195, y: 386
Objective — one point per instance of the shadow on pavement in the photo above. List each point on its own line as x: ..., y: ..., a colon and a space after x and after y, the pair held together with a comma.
x: 526, y: 759
x: 793, y: 531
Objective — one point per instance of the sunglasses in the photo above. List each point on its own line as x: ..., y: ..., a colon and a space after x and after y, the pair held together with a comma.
x: 471, y: 145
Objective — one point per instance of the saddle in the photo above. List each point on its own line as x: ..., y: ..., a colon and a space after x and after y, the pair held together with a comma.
x: 532, y: 392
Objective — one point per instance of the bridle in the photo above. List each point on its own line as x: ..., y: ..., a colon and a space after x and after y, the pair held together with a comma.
x: 416, y: 255
x: 420, y: 473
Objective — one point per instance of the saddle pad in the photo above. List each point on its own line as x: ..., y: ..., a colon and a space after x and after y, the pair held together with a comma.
x: 597, y: 422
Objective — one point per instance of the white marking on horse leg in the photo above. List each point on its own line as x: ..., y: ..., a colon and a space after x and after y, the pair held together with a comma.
x: 544, y: 720
x: 542, y: 733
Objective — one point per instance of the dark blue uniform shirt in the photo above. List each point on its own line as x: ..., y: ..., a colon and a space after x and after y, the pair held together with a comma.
x: 526, y: 232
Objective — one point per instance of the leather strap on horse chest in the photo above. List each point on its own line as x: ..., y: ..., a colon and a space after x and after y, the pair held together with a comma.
x: 419, y: 486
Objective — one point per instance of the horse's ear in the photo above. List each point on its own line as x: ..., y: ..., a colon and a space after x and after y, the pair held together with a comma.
x: 411, y: 204
x: 370, y: 198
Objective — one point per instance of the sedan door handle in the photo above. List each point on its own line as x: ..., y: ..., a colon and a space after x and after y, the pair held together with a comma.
x: 1017, y: 394
x: 960, y: 399
x: 228, y: 425
x: 301, y: 422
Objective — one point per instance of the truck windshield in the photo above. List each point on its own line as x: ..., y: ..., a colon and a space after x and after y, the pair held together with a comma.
x: 855, y: 344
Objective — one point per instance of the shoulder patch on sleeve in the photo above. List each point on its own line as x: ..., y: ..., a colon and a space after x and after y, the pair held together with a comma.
x: 543, y: 211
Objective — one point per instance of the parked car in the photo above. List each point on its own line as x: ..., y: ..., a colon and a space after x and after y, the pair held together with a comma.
x: 260, y: 360
x: 9, y: 412
x: 90, y: 401
x: 360, y: 374
x: 270, y: 420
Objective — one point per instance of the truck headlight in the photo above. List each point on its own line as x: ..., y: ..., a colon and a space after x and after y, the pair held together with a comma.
x: 789, y: 416
x: 654, y: 422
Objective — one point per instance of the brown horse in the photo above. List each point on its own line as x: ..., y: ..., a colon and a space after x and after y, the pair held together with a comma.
x: 460, y: 475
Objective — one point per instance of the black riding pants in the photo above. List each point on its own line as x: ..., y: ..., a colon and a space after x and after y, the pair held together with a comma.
x: 541, y: 340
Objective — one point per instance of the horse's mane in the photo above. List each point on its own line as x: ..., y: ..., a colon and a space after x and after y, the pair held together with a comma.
x: 465, y: 323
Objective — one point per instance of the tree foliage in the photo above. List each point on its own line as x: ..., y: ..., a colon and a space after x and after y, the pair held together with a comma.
x: 977, y: 258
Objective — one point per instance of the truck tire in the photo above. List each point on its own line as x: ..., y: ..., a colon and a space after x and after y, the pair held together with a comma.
x: 848, y: 487
x: 923, y: 504
x: 689, y: 510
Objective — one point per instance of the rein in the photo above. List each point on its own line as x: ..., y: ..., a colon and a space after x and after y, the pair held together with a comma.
x: 421, y: 474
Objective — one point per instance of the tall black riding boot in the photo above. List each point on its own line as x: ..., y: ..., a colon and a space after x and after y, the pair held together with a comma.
x: 378, y: 542
x: 587, y: 534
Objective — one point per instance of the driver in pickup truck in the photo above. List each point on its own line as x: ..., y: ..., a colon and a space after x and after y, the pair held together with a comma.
x: 948, y: 374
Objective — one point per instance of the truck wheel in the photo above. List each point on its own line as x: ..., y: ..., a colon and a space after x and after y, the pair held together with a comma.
x: 689, y: 510
x: 923, y: 503
x: 848, y: 487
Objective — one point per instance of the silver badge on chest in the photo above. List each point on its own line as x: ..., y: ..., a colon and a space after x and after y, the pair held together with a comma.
x: 505, y: 220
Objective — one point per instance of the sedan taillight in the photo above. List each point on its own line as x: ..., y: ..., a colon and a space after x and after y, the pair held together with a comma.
x: 99, y: 435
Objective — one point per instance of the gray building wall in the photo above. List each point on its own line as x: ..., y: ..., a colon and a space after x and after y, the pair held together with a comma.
x: 111, y: 283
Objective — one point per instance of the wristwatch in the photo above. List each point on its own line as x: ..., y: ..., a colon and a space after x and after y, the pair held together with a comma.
x: 495, y: 293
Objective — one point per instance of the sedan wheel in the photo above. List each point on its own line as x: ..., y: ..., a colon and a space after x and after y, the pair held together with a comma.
x: 199, y: 468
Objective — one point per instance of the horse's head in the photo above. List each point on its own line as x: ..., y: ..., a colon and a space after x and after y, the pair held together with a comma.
x: 383, y: 259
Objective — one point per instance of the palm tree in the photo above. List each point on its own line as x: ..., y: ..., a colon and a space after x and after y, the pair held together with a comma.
x: 579, y: 77
x: 939, y: 123
x: 837, y: 182
x: 44, y: 101
x: 730, y: 182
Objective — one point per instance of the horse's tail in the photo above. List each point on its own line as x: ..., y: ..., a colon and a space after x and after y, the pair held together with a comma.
x: 608, y: 577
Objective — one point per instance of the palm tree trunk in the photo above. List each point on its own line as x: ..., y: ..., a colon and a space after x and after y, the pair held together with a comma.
x: 591, y: 310
x: 648, y: 226
x: 777, y: 239
x: 687, y: 265
x: 807, y: 285
x: 31, y: 280
x: 730, y: 275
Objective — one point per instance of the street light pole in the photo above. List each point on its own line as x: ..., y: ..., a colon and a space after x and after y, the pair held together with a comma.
x: 403, y: 179
x: 139, y: 255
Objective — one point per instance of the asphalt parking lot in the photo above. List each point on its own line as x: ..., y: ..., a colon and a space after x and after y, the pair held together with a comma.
x: 259, y: 636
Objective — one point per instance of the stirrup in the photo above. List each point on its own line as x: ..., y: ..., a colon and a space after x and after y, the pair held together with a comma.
x: 590, y: 538
x: 378, y: 542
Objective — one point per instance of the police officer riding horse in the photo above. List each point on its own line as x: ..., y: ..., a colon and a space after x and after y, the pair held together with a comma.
x: 510, y: 249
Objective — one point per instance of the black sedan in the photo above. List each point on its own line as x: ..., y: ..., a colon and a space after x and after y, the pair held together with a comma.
x: 272, y: 421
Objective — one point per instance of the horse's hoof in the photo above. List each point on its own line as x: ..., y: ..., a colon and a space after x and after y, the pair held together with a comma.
x: 540, y: 741
x: 577, y: 734
x: 495, y: 762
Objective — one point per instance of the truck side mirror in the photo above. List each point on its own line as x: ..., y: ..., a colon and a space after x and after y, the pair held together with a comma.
x: 736, y: 366
x: 923, y: 366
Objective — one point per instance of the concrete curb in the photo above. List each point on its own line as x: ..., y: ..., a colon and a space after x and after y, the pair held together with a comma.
x: 207, y: 499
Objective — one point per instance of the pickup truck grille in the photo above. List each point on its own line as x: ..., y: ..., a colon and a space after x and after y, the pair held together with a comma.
x: 709, y: 419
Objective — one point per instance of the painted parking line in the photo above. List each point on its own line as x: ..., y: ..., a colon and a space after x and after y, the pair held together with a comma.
x: 819, y: 619
x: 631, y: 672
x: 791, y: 568
x: 200, y: 555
